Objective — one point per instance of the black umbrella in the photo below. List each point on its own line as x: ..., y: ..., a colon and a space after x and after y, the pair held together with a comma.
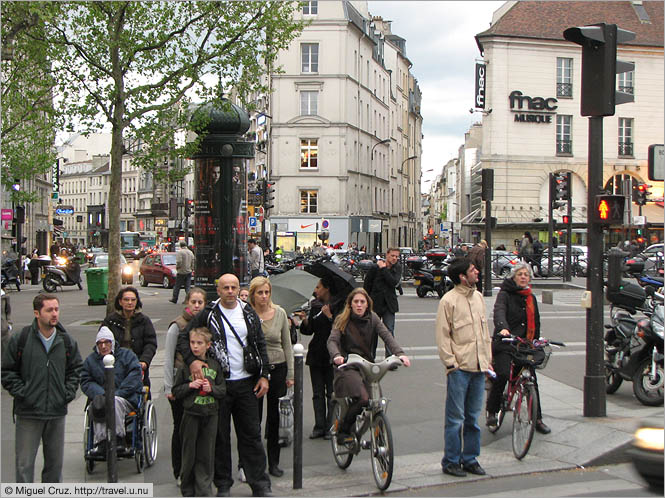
x: 344, y: 282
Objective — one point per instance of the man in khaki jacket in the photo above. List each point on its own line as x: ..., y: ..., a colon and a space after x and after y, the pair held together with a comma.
x: 464, y: 345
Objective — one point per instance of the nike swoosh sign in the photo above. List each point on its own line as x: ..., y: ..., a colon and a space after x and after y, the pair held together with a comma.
x: 306, y: 226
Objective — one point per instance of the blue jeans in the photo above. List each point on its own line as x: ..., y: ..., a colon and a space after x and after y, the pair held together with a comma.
x: 464, y: 401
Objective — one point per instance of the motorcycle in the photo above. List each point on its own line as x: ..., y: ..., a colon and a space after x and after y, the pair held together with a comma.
x: 66, y: 272
x: 10, y: 274
x: 634, y: 347
x: 635, y: 268
x: 432, y: 278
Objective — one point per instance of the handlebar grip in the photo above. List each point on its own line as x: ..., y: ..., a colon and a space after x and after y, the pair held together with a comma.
x: 555, y: 343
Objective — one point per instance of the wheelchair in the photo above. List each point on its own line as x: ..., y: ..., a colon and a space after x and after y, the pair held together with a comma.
x: 140, y: 436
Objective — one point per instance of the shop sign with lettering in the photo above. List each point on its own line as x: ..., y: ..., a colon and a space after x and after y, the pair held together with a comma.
x: 532, y: 109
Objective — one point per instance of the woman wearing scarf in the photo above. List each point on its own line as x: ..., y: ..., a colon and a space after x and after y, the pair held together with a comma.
x: 354, y: 331
x: 516, y: 313
x: 195, y: 301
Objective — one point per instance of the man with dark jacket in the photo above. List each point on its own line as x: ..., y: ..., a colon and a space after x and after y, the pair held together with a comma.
x: 41, y: 368
x: 477, y: 257
x: 127, y: 381
x: 380, y: 283
x: 226, y: 317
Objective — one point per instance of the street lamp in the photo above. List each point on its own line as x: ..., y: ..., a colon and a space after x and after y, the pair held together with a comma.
x: 405, y: 160
x: 384, y: 141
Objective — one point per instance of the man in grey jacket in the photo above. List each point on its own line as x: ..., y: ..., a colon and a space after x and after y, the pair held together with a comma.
x: 41, y: 369
x: 184, y: 265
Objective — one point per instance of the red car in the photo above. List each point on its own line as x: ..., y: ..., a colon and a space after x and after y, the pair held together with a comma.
x: 158, y: 268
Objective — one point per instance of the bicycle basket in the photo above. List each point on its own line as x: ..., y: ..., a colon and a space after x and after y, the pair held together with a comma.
x: 535, y: 357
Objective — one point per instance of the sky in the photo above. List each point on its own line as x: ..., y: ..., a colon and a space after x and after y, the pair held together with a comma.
x: 441, y: 46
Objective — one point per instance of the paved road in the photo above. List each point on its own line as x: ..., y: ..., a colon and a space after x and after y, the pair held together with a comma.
x: 416, y: 410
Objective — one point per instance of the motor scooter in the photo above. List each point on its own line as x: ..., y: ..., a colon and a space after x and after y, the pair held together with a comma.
x: 66, y: 272
x: 634, y: 347
x: 10, y: 274
x: 432, y: 278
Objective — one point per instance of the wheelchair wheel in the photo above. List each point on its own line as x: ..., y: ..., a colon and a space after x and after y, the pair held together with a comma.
x: 87, y: 442
x: 149, y: 433
x: 140, y: 460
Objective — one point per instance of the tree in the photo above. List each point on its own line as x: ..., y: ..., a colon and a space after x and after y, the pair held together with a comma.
x: 29, y: 120
x: 135, y: 67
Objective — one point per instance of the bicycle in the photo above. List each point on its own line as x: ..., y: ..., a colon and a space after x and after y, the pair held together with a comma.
x: 373, y: 416
x: 520, y: 394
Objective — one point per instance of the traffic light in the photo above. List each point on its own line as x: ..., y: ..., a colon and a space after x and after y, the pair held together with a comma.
x: 608, y: 209
x: 561, y: 186
x: 600, y: 66
x: 267, y: 195
x: 189, y: 207
x: 566, y: 219
x: 642, y: 194
x: 487, y: 191
x: 19, y: 214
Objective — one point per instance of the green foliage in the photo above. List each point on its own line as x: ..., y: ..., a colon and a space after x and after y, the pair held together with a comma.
x: 29, y: 121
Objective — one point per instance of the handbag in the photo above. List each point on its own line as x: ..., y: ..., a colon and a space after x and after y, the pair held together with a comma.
x: 286, y: 419
x: 250, y: 355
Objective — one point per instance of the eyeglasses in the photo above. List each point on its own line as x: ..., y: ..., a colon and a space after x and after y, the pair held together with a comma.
x: 104, y: 343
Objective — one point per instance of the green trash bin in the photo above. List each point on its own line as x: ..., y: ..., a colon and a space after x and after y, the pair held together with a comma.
x: 98, y: 285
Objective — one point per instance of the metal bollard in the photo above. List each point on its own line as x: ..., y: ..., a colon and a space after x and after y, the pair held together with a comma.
x: 298, y: 351
x: 109, y: 394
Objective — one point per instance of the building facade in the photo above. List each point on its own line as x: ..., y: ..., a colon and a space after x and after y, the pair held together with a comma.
x: 532, y: 126
x: 345, y: 133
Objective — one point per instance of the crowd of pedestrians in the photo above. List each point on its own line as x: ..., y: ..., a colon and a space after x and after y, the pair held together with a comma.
x: 223, y: 357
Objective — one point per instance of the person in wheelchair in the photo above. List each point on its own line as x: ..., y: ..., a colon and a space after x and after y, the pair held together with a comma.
x: 128, y: 387
x: 354, y: 331
x: 516, y: 313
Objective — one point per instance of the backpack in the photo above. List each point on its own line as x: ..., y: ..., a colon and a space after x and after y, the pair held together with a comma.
x: 537, y: 247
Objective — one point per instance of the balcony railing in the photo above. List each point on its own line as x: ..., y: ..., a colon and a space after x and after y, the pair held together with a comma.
x: 626, y: 89
x: 564, y: 89
x: 625, y: 148
x: 564, y: 146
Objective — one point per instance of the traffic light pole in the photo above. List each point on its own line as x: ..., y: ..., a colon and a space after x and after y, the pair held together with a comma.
x: 550, y: 227
x: 594, y: 378
x: 487, y: 270
x: 567, y: 275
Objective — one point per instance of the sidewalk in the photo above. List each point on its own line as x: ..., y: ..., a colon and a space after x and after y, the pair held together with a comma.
x: 574, y: 442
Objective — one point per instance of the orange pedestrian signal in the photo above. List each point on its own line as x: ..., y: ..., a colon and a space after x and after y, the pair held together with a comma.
x: 609, y: 209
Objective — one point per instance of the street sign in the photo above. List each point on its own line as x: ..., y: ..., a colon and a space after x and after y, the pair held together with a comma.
x: 252, y: 221
x: 639, y: 220
x: 7, y: 214
x: 656, y: 162
x: 64, y: 210
x: 325, y: 224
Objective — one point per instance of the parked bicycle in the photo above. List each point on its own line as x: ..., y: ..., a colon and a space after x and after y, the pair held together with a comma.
x: 520, y: 395
x: 372, y: 417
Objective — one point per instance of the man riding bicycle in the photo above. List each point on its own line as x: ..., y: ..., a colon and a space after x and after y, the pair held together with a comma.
x: 515, y: 313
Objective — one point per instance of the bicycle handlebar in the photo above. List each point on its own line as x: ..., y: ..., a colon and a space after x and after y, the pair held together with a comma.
x: 543, y: 341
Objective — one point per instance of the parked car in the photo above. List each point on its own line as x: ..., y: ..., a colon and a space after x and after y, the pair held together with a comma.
x: 158, y: 268
x: 503, y: 262
x: 578, y: 258
x: 101, y: 259
x: 653, y: 259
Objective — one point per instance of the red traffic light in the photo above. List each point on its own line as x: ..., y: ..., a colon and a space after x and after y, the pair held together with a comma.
x: 566, y: 219
x: 608, y: 209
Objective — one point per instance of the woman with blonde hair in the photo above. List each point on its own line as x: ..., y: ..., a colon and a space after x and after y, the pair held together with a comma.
x: 275, y: 326
x: 354, y: 331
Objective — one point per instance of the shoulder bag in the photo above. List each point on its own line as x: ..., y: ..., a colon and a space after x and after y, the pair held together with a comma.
x: 251, y: 357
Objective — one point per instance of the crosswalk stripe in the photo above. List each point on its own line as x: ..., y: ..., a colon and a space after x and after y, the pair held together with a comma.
x: 572, y: 489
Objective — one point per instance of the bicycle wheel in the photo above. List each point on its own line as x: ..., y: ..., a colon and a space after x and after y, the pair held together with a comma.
x: 341, y: 453
x: 524, y: 419
x: 382, y: 451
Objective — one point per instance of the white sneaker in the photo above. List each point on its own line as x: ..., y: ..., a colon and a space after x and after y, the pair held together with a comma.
x: 241, y: 475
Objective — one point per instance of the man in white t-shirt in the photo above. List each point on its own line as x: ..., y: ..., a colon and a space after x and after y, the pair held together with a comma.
x: 222, y: 317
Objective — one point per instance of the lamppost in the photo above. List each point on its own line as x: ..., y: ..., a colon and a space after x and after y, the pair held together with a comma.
x: 371, y: 185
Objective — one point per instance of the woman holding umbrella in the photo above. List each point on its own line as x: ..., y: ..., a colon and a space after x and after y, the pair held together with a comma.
x: 354, y: 331
x: 323, y: 310
x: 275, y: 325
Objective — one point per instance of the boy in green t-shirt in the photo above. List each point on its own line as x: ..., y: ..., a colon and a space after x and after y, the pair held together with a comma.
x: 199, y: 422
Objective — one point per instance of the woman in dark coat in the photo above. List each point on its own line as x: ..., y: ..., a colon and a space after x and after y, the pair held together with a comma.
x: 516, y: 313
x: 318, y: 324
x: 354, y: 331
x: 132, y: 329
